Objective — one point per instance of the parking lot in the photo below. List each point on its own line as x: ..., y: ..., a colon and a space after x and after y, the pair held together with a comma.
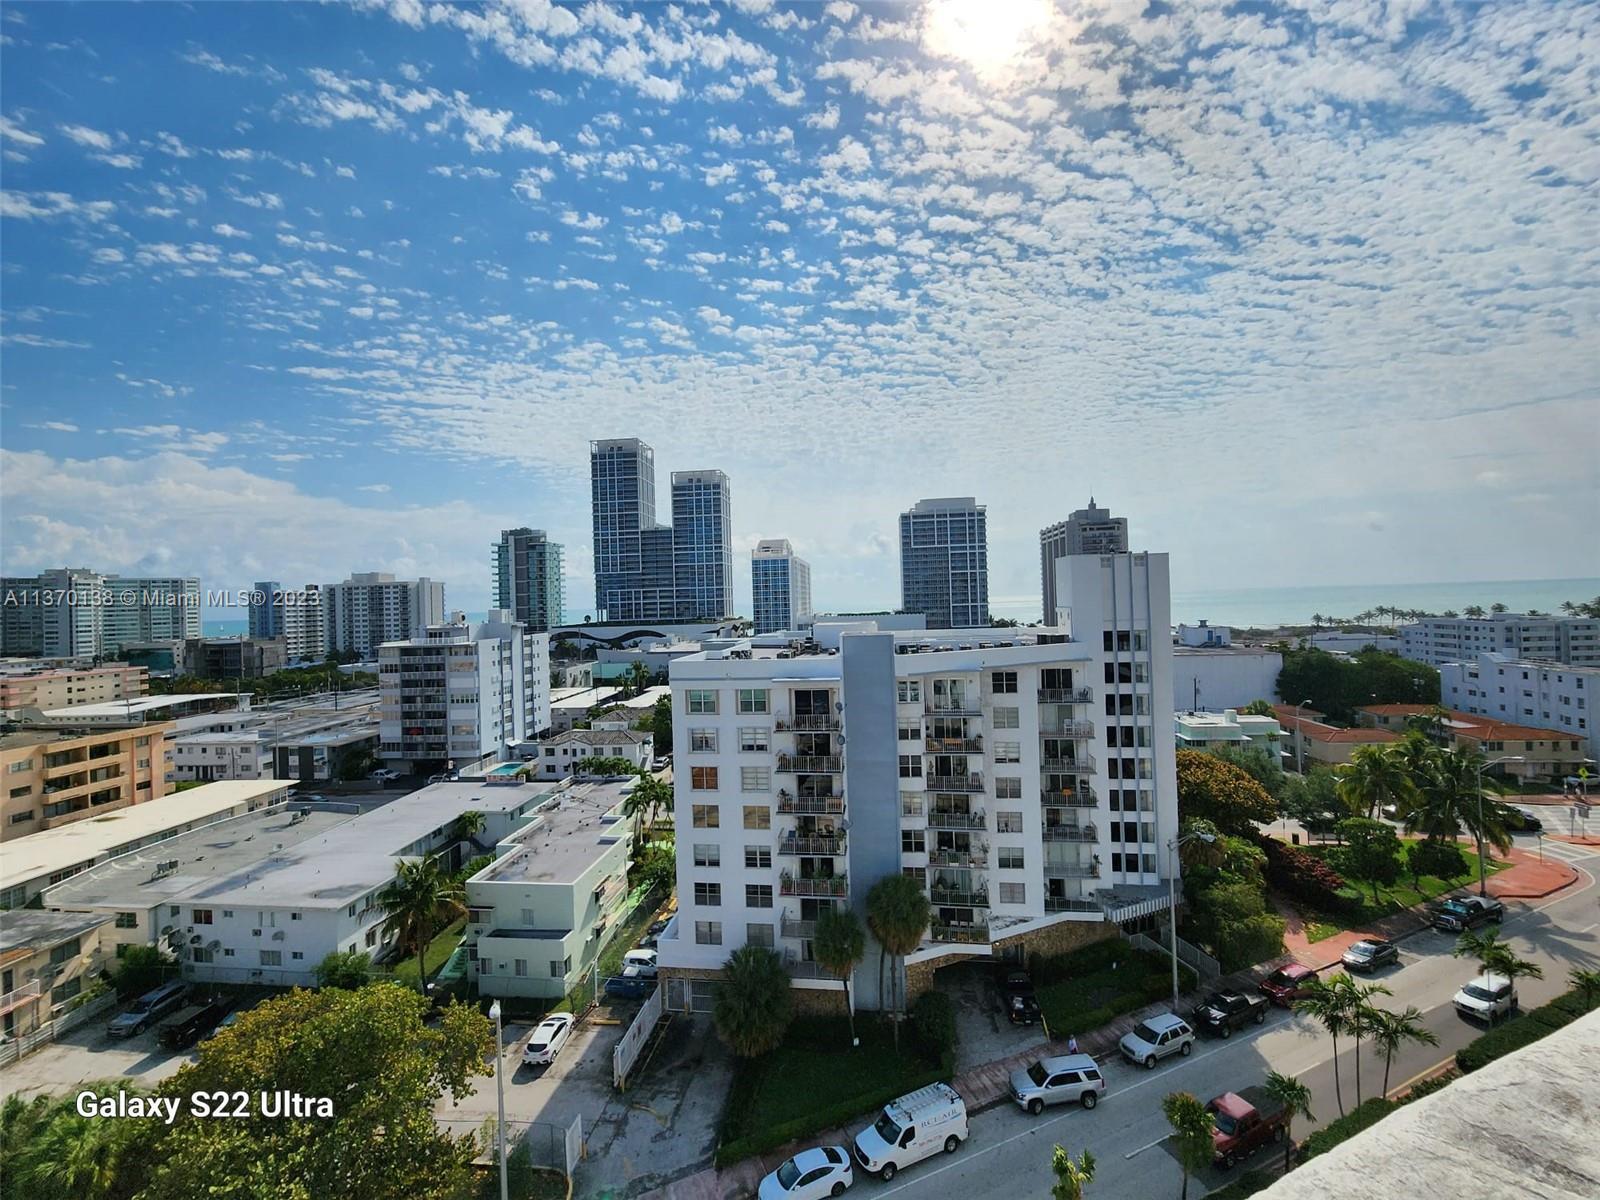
x: 88, y: 1054
x: 983, y: 1033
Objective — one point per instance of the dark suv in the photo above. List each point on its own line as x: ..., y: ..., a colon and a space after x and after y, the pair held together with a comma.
x: 1021, y: 1006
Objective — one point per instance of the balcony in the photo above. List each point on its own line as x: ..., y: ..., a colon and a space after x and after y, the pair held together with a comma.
x: 1080, y: 798
x: 1070, y: 729
x: 945, y: 818
x: 958, y: 898
x: 1072, y: 870
x: 806, y: 724
x: 819, y: 845
x: 954, y: 783
x: 1070, y: 833
x: 1080, y: 695
x: 972, y: 745
x: 792, y: 927
x: 17, y: 997
x: 835, y: 885
x: 978, y: 931
x: 809, y: 764
x: 1082, y: 763
x: 799, y: 968
x: 965, y: 859
x: 952, y: 708
x: 813, y: 806
x: 1061, y: 904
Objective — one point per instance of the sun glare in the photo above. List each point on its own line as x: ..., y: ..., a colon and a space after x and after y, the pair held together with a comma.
x: 987, y: 34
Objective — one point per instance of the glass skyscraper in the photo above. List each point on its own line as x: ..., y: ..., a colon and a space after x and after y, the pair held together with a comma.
x: 780, y: 586
x: 944, y: 562
x: 527, y: 578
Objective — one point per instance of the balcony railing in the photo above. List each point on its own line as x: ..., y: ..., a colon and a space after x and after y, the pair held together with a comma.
x: 1073, y: 870
x: 1081, y: 798
x: 830, y: 846
x: 799, y: 968
x: 809, y: 764
x: 793, y: 927
x: 1060, y: 904
x: 806, y: 724
x: 20, y: 996
x: 954, y: 783
x: 1082, y: 763
x: 945, y: 818
x: 952, y: 708
x: 976, y: 932
x: 936, y: 745
x: 815, y: 806
x: 968, y: 859
x: 960, y: 899
x: 1070, y: 833
x: 836, y: 885
x: 1080, y: 695
x: 1070, y: 729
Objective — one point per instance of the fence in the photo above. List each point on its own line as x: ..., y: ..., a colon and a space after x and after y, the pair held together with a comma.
x: 632, y: 1043
x: 16, y: 1048
x: 549, y: 1145
x: 1204, y: 966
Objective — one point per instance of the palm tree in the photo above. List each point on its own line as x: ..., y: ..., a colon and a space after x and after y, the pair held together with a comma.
x: 468, y: 826
x: 1191, y: 1123
x: 1072, y: 1176
x: 418, y: 902
x: 1328, y: 1002
x: 1452, y: 796
x: 1473, y: 610
x: 643, y: 804
x: 637, y: 679
x: 1586, y: 984
x: 754, y: 1002
x: 1390, y: 1030
x: 76, y: 1156
x: 1373, y: 778
x: 1296, y: 1100
x: 1497, y: 607
x: 897, y: 914
x: 1496, y: 957
x: 839, y: 944
x: 1363, y: 1017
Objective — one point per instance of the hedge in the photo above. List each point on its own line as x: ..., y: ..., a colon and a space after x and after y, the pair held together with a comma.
x: 933, y: 1021
x: 1247, y: 1184
x: 1428, y: 1086
x: 1364, y: 1116
x: 1304, y: 876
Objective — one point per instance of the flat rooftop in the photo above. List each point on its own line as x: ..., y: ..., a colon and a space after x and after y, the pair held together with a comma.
x: 570, y: 832
x: 94, y: 838
x: 25, y: 928
x: 134, y: 708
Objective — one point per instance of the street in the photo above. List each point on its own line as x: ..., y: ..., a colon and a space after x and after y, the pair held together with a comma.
x: 1008, y: 1154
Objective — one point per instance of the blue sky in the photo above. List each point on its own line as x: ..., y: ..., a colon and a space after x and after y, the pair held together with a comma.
x: 296, y: 290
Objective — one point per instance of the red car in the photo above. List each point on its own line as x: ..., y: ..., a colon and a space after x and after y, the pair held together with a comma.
x: 1287, y: 984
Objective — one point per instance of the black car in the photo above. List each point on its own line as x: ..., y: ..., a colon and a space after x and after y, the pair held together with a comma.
x: 1017, y: 1000
x: 1464, y: 912
x: 191, y: 1025
x: 1519, y: 821
x: 1369, y: 954
x: 1223, y: 1012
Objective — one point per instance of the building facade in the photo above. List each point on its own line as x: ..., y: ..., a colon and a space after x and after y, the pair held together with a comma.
x: 30, y: 686
x: 1221, y: 677
x: 55, y: 775
x: 1573, y: 641
x: 1091, y: 530
x: 1519, y: 751
x: 702, y: 545
x: 527, y: 578
x: 266, y: 609
x: 944, y: 562
x: 149, y: 610
x: 374, y: 607
x: 1024, y: 779
x: 46, y: 960
x: 555, y: 757
x: 780, y: 586
x: 463, y: 692
x: 1246, y: 731
x: 233, y: 658
x: 1539, y: 694
x: 77, y: 613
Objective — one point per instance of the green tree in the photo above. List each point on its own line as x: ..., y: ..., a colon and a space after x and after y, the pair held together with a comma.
x: 637, y: 679
x: 141, y: 968
x: 348, y: 969
x: 1338, y: 686
x: 372, y: 1054
x: 1452, y: 796
x: 1259, y: 708
x: 656, y: 869
x: 656, y: 797
x: 468, y: 826
x: 604, y: 766
x: 839, y: 944
x: 1586, y: 983
x: 661, y: 725
x: 1313, y: 800
x: 1372, y: 852
x: 754, y: 1003
x: 1362, y: 1018
x: 1255, y: 762
x: 1216, y: 791
x: 1192, y: 1124
x: 1391, y: 1030
x: 418, y: 902
x: 1071, y: 1175
x: 1435, y: 857
x: 1296, y: 1100
x: 1373, y: 778
x: 898, y: 914
x: 1328, y: 1002
x: 1231, y: 916
x: 53, y: 1153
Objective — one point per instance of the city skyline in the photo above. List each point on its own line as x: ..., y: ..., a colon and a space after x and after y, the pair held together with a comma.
x: 357, y: 285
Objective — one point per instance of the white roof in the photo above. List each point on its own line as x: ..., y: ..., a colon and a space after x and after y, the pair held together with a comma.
x: 134, y: 706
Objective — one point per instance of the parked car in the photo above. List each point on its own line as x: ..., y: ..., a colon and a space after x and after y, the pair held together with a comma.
x: 660, y: 764
x: 1287, y: 984
x: 809, y: 1175
x: 1486, y: 998
x: 1520, y: 820
x: 1369, y: 954
x: 1065, y: 1079
x: 1243, y: 1122
x: 643, y: 959
x: 1464, y: 912
x: 1017, y: 1000
x: 191, y: 1024
x: 911, y: 1128
x: 1156, y: 1038
x: 150, y: 1007
x: 632, y: 984
x: 659, y: 926
x: 384, y: 775
x: 547, y: 1039
x: 1223, y: 1012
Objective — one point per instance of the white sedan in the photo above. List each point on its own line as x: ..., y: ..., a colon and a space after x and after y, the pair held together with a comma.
x: 545, y: 1042
x: 810, y: 1175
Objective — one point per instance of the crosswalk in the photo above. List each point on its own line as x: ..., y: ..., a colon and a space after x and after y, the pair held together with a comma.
x: 1568, y: 853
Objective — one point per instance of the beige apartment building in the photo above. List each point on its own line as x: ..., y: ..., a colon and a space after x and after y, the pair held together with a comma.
x: 53, y: 777
x: 45, y: 688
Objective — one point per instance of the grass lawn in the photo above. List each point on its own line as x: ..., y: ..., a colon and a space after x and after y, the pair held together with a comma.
x: 1089, y: 999
x: 439, y: 950
x: 1403, y: 894
x: 800, y: 1075
x: 626, y: 935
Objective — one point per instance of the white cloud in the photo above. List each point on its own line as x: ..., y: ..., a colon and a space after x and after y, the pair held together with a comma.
x: 84, y: 136
x: 228, y: 231
x: 12, y: 131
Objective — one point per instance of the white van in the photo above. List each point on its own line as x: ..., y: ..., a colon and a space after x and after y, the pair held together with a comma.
x: 645, y: 960
x: 911, y: 1128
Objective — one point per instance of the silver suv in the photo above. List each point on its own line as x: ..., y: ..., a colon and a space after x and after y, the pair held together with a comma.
x: 1156, y: 1038
x: 1065, y: 1079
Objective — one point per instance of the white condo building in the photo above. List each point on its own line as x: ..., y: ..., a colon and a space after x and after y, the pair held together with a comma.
x: 1574, y: 641
x: 73, y: 613
x: 461, y: 693
x: 1539, y: 694
x: 373, y: 607
x: 1024, y: 777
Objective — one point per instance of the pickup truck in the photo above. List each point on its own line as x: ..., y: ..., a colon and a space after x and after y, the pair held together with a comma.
x: 1223, y: 1012
x: 191, y: 1024
x: 1466, y: 911
x: 1243, y: 1123
x: 1017, y: 999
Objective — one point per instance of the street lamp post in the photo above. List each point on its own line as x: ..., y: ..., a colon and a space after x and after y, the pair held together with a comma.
x: 1300, y: 738
x: 1172, y: 898
x: 1483, y: 868
x: 500, y: 1095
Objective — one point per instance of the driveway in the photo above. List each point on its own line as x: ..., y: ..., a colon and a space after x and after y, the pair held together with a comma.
x: 983, y: 1034
x: 88, y: 1054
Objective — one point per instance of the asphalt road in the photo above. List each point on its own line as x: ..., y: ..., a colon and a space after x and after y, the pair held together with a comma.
x: 1008, y: 1154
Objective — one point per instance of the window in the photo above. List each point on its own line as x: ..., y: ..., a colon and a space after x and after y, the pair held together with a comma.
x: 913, y: 841
x: 708, y: 933
x: 758, y: 935
x: 1011, y: 858
x: 908, y: 733
x: 703, y: 779
x: 1008, y: 822
x: 1149, y: 864
x: 1013, y: 893
x: 753, y: 700
x: 911, y: 766
x: 755, y: 779
x: 200, y: 916
x: 557, y: 968
x: 1008, y: 752
x: 702, y: 741
x: 701, y: 700
x: 65, y: 952
x: 294, y: 916
x: 1005, y: 682
x: 757, y: 816
x: 758, y: 895
x: 758, y: 858
x: 126, y: 920
x: 707, y: 855
x: 1007, y: 789
x: 708, y: 895
x: 272, y: 958
x: 754, y: 741
x: 706, y: 816
x: 909, y: 691
x: 1116, y: 860
x: 67, y: 990
x: 1007, y: 718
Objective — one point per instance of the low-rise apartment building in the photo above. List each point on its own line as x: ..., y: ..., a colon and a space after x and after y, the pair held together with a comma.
x: 1539, y: 694
x: 556, y: 756
x: 1025, y: 778
x: 1207, y: 731
x: 1214, y: 678
x: 1313, y: 742
x: 53, y: 775
x: 25, y: 683
x: 308, y: 739
x: 1574, y: 641
x: 46, y: 959
x: 1527, y: 753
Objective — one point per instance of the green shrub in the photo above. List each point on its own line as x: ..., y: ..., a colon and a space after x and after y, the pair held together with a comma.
x: 933, y: 1020
x: 1572, y: 1002
x: 1084, y: 961
x: 1428, y: 1086
x: 1551, y: 1016
x: 1367, y: 1114
x: 1513, y: 1035
x: 1247, y: 1184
